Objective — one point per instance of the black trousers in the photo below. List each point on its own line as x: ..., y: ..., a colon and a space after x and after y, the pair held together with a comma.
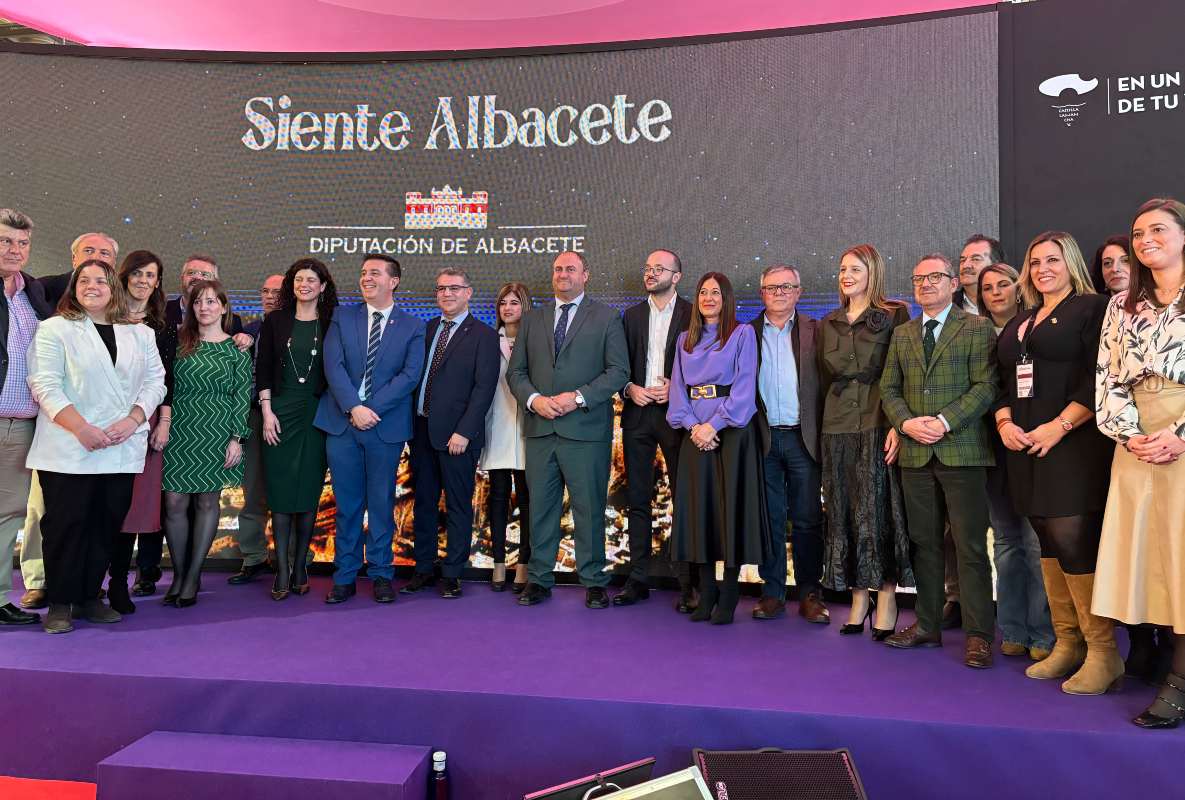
x: 498, y: 512
x: 83, y: 514
x: 640, y: 444
x: 433, y: 471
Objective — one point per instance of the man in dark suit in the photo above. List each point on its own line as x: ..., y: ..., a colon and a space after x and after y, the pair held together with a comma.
x: 200, y: 266
x: 939, y: 381
x: 461, y: 366
x: 789, y: 397
x: 651, y: 328
x: 22, y: 306
x: 374, y: 353
x: 251, y: 536
x: 569, y: 360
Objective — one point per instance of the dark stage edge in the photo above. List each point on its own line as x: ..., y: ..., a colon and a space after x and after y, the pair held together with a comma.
x: 523, y: 698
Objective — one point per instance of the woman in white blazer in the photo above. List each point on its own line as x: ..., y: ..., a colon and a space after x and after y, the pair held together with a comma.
x: 504, y: 457
x: 98, y: 378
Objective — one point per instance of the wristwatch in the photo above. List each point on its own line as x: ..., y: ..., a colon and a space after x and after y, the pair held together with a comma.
x: 1067, y: 426
x: 579, y: 400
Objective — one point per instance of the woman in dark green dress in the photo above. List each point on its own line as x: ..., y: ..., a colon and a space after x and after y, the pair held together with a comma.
x: 290, y: 379
x: 211, y: 398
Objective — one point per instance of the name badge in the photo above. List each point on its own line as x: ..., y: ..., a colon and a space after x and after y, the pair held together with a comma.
x: 1025, y: 374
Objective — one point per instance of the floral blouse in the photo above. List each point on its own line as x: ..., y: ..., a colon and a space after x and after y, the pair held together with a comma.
x: 1134, y: 347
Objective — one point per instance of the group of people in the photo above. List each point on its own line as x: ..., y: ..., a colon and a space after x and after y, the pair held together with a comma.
x: 889, y: 444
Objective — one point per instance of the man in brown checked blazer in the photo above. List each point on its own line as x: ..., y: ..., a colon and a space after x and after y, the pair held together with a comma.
x: 939, y: 381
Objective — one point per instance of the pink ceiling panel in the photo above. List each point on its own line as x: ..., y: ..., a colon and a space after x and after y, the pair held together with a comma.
x: 322, y: 26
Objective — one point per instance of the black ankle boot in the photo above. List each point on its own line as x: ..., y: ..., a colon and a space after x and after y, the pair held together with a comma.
x: 709, y: 592
x: 118, y: 597
x: 730, y: 594
x: 1141, y: 655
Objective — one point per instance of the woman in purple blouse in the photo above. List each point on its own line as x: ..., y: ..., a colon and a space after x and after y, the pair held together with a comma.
x: 720, y: 513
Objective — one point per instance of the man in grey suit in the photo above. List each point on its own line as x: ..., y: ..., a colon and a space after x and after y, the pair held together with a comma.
x: 569, y: 362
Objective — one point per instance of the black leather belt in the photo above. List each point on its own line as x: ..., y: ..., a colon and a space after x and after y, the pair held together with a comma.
x: 785, y: 427
x: 708, y: 391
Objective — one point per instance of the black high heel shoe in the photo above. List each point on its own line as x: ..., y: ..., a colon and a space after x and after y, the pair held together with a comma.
x: 1169, y: 701
x: 852, y: 629
x: 880, y: 634
x: 186, y: 602
x: 170, y: 598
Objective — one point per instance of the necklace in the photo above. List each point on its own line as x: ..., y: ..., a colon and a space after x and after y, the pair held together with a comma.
x: 312, y: 357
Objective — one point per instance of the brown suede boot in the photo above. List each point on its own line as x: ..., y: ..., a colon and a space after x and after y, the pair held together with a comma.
x: 1069, y: 650
x: 1103, y: 669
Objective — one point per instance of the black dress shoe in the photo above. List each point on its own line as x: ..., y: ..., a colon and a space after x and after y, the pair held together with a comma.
x: 633, y: 592
x: 11, y: 615
x: 687, y: 602
x: 118, y: 597
x: 340, y: 593
x: 596, y: 597
x: 144, y: 588
x: 249, y: 573
x: 450, y: 588
x: 417, y: 583
x: 384, y: 592
x: 952, y: 615
x: 533, y: 595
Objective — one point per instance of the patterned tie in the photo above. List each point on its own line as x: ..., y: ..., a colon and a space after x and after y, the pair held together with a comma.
x: 561, y: 327
x: 928, y: 339
x: 437, y: 357
x: 372, y: 352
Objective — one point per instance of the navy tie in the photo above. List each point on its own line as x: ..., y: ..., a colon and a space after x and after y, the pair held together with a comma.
x: 561, y: 327
x: 372, y: 352
x: 928, y: 339
x: 437, y: 357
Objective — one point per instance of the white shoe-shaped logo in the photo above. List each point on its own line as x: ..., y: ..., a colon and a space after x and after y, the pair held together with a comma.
x: 1053, y: 87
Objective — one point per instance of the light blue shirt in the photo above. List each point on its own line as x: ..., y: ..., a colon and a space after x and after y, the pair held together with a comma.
x: 778, y: 376
x: 432, y: 349
x: 386, y: 317
x: 575, y: 303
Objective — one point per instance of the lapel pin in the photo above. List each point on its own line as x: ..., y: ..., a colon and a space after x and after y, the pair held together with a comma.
x: 1054, y: 320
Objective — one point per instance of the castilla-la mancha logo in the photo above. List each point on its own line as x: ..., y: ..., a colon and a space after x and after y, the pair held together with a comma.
x: 446, y: 208
x: 1068, y: 112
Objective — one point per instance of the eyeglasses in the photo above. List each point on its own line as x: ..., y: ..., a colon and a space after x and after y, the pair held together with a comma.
x: 451, y: 289
x: 657, y: 271
x: 932, y: 278
x: 780, y: 288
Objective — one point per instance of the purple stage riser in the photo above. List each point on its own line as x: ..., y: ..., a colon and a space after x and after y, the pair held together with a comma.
x: 196, y: 766
x: 501, y: 746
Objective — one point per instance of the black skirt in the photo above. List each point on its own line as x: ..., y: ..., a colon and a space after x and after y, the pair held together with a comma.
x: 720, y: 512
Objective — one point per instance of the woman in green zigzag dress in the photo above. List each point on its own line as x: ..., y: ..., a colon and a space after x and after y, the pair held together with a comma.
x: 211, y: 398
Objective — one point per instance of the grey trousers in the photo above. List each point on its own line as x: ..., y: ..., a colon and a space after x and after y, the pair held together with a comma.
x: 15, y: 437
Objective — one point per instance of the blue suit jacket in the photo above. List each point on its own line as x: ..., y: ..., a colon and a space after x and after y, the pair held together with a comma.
x: 464, y: 385
x: 396, y: 372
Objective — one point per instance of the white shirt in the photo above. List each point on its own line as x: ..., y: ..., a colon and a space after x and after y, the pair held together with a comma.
x: 656, y: 343
x: 941, y: 318
x: 969, y: 305
x: 386, y: 316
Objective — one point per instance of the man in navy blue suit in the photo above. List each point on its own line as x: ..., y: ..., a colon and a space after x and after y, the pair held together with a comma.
x: 374, y: 353
x: 461, y: 361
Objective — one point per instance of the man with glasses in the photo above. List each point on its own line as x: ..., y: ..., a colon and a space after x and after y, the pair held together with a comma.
x: 978, y: 252
x: 939, y: 381
x: 251, y: 537
x: 202, y: 267
x: 790, y: 398
x: 22, y: 307
x: 651, y: 328
x: 461, y: 365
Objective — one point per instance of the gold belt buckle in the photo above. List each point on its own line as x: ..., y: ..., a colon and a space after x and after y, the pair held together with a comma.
x: 706, y: 391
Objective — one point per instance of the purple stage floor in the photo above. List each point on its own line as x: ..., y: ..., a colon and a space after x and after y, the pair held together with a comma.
x: 523, y: 698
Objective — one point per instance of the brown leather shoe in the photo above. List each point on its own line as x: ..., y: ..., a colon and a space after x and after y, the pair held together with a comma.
x: 812, y: 609
x: 912, y: 637
x: 978, y: 654
x: 34, y: 598
x: 769, y: 608
x: 1013, y: 649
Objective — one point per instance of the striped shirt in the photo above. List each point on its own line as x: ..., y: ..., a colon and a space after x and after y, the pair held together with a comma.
x: 16, y: 401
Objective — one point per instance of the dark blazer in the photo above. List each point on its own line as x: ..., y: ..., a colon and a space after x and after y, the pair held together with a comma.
x: 35, y: 293
x: 54, y: 286
x: 271, y: 350
x: 173, y: 317
x: 959, y: 383
x: 593, y: 361
x: 397, y: 369
x: 636, y: 320
x: 464, y: 386
x: 804, y: 335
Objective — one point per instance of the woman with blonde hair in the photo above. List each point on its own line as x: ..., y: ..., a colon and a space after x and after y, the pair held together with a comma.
x: 867, y: 542
x: 1140, y: 403
x: 98, y: 378
x: 505, y: 458
x: 1059, y: 465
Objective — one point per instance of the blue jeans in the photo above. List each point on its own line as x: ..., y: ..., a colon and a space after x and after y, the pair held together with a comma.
x: 793, y: 486
x: 1021, y: 608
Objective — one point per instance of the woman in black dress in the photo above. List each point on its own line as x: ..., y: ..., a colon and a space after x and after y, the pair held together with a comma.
x: 1059, y: 464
